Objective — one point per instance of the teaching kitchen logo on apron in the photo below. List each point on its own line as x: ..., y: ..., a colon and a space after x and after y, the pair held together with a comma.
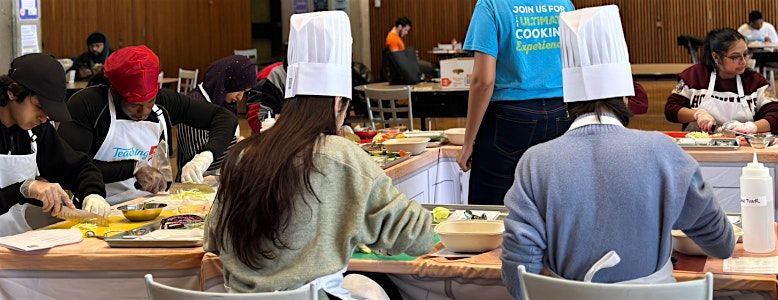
x: 134, y: 153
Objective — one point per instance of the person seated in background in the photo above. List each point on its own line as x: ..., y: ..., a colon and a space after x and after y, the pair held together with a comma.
x: 294, y: 202
x: 757, y: 30
x: 721, y: 92
x: 394, y: 42
x: 264, y: 100
x: 266, y: 97
x: 90, y: 62
x: 583, y: 181
x: 121, y: 125
x: 226, y: 82
x: 638, y: 104
x: 36, y: 163
x: 262, y: 74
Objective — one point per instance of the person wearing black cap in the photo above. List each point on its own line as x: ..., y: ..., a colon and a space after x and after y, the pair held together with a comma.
x: 36, y: 164
x: 90, y: 62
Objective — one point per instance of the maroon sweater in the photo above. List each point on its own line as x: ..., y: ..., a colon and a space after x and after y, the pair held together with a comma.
x: 697, y: 77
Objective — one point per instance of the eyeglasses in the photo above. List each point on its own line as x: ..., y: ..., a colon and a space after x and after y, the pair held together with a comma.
x: 740, y: 57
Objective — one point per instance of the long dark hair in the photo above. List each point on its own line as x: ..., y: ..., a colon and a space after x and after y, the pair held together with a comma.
x: 719, y: 41
x: 19, y: 91
x: 615, y: 106
x: 263, y: 174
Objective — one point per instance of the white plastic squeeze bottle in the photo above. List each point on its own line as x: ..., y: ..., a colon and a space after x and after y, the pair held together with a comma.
x: 756, y: 205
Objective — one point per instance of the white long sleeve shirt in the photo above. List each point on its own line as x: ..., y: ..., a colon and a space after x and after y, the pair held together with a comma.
x: 751, y: 34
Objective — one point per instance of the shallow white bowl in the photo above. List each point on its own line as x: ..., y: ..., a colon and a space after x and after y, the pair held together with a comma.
x: 413, y: 145
x: 456, y: 136
x: 471, y: 236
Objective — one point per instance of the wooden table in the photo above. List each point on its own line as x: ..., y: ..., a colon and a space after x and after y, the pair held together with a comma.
x: 761, y: 45
x: 658, y: 70
x: 80, y: 85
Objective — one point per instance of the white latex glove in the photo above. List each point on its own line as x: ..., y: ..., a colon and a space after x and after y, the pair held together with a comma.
x: 747, y: 127
x: 704, y: 120
x: 150, y: 179
x: 96, y: 204
x: 194, y: 169
x: 51, y: 194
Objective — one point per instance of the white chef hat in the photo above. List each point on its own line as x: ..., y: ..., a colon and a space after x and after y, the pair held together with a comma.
x: 595, y: 60
x: 319, y: 55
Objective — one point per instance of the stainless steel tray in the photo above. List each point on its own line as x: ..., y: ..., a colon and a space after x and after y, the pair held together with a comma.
x: 127, y: 239
x: 717, y: 144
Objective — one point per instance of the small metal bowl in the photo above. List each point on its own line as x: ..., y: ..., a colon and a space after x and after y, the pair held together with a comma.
x: 760, y: 140
x: 142, y: 212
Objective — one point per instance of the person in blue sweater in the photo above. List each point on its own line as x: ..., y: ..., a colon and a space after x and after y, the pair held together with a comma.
x: 575, y: 200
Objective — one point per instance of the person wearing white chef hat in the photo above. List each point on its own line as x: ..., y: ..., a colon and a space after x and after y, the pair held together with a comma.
x: 576, y: 207
x: 295, y: 201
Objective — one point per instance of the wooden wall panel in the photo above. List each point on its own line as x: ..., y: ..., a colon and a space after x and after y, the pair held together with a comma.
x: 184, y: 33
x: 651, y: 26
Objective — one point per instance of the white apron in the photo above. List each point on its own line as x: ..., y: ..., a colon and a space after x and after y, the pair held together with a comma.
x: 610, y: 259
x: 13, y: 169
x: 332, y: 284
x: 724, y: 111
x: 129, y: 139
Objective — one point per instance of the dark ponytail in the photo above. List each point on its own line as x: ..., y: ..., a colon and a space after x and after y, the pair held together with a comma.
x: 719, y: 41
x: 19, y: 91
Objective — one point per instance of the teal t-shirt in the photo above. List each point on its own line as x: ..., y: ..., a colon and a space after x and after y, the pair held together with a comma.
x: 523, y: 35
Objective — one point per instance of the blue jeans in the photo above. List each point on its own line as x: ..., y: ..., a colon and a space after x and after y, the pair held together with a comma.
x: 508, y: 129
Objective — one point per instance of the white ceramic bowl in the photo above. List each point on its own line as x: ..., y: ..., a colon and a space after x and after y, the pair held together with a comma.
x: 685, y: 245
x: 413, y: 145
x: 471, y: 236
x: 456, y: 136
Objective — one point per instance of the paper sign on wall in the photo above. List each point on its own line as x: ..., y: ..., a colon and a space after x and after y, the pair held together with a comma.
x: 29, y: 39
x: 28, y: 10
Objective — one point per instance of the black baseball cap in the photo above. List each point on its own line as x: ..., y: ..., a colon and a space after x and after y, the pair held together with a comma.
x: 44, y: 76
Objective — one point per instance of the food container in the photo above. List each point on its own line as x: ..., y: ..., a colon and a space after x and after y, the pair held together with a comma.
x: 366, y: 134
x: 760, y: 140
x: 413, y: 145
x: 432, y: 135
x: 685, y: 245
x: 142, y: 212
x: 471, y: 236
x: 456, y: 136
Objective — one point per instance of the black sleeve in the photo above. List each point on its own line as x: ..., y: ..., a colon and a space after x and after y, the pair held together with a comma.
x: 86, y: 107
x: 219, y: 122
x: 58, y: 162
x: 9, y: 196
x: 268, y: 95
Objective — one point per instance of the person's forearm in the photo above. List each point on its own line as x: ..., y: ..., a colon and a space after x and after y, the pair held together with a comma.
x: 762, y: 126
x: 477, y: 102
x: 686, y: 115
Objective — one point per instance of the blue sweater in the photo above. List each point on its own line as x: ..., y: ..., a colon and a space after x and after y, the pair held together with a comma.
x: 604, y: 187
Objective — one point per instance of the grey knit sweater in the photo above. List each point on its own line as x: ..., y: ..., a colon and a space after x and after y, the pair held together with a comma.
x: 358, y: 204
x: 604, y: 187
